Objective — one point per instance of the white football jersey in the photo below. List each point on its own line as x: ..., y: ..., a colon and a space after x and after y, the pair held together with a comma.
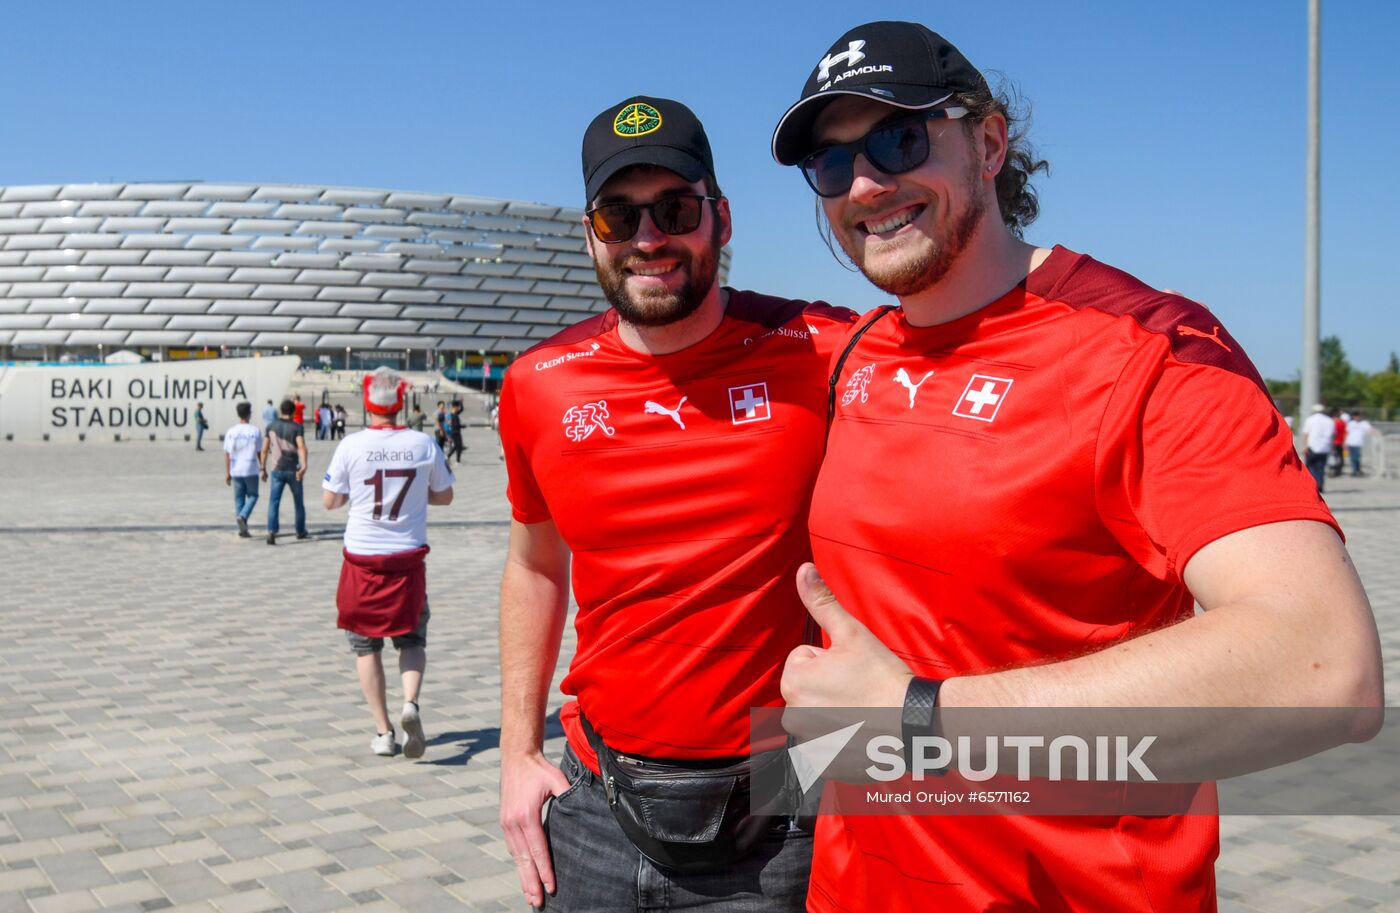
x: 387, y: 472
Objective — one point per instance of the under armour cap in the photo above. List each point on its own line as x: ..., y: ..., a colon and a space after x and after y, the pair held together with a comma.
x: 645, y: 131
x: 902, y: 64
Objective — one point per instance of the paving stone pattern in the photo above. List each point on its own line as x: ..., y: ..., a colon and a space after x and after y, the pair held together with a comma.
x: 181, y: 728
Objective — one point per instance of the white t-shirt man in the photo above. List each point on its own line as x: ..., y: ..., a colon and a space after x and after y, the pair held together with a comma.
x: 242, y: 443
x: 387, y: 473
x: 1318, y: 431
x: 1357, y: 431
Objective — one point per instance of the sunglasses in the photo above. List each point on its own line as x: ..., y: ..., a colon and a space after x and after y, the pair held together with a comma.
x: 894, y: 147
x: 613, y: 223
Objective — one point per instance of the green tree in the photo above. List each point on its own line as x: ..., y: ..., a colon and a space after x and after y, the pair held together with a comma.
x: 1383, y: 388
x: 1342, y: 384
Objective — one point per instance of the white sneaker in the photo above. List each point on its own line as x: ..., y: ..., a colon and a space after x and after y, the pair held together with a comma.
x: 384, y: 745
x: 413, y: 743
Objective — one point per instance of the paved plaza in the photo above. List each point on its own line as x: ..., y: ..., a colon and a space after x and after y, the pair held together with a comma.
x: 181, y: 727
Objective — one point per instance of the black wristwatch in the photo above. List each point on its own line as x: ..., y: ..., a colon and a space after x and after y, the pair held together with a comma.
x: 920, y: 714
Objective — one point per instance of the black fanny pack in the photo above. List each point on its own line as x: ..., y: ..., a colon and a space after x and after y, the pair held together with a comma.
x: 690, y: 819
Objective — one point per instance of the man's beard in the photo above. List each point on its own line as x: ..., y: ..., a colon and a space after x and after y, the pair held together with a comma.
x: 662, y: 307
x: 925, y: 267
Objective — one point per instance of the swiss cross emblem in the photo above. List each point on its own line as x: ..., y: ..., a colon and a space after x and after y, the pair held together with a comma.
x: 749, y: 403
x: 983, y: 397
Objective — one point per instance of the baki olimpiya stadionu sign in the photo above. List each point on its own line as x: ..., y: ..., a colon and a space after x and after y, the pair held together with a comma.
x: 160, y: 398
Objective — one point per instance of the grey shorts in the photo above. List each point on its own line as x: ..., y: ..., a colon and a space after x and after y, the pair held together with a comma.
x: 418, y: 637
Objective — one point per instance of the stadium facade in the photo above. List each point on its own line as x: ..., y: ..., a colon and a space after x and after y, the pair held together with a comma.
x: 338, y: 275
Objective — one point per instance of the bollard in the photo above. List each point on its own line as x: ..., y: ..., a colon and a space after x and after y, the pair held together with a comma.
x: 153, y: 437
x: 46, y: 436
x: 117, y: 436
x: 82, y: 436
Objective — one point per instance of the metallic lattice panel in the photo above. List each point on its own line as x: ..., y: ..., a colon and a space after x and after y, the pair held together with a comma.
x: 287, y: 265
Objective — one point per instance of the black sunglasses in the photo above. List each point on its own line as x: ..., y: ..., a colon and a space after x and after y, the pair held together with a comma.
x: 613, y: 223
x: 894, y: 147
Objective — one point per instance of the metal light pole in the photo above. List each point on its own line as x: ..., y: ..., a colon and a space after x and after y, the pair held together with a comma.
x: 1310, y: 389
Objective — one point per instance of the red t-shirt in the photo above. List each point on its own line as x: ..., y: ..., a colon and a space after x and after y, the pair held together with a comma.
x: 681, y: 484
x: 299, y: 412
x: 1036, y: 495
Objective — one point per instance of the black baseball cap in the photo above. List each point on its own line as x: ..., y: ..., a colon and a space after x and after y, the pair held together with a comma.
x: 902, y: 64
x: 645, y: 131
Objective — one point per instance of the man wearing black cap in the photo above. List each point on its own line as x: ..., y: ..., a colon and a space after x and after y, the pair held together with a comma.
x: 1066, y: 505
x: 667, y: 448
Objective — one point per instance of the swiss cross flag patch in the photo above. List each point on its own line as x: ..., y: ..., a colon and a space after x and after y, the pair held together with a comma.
x: 749, y: 403
x: 983, y: 397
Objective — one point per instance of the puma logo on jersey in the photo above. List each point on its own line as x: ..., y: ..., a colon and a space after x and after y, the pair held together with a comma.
x: 856, y: 386
x: 901, y: 377
x: 1213, y: 336
x: 653, y: 408
x: 581, y: 421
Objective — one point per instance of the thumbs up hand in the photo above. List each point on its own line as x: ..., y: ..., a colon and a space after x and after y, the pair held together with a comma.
x: 857, y: 670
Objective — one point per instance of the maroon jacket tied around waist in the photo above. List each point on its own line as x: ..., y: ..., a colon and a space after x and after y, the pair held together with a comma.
x: 382, y: 595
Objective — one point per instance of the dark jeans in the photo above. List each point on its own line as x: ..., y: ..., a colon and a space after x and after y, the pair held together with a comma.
x: 1317, y: 466
x: 599, y: 871
x: 245, y: 495
x: 1355, y: 454
x: 281, y: 478
x: 198, y: 436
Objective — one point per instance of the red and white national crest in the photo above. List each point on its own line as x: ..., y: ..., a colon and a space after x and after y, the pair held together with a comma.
x: 749, y: 403
x: 857, y: 384
x: 982, y: 398
x: 582, y: 421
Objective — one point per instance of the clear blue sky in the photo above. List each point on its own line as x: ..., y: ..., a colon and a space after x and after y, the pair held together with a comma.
x: 1176, y: 130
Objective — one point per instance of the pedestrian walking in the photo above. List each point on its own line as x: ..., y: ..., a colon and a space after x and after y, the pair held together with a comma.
x: 284, y: 461
x: 201, y: 425
x: 453, y: 425
x: 241, y: 445
x: 1358, y: 430
x: 1318, y: 431
x: 388, y: 474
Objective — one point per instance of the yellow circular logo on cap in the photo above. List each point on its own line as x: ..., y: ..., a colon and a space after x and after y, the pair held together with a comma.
x: 637, y: 119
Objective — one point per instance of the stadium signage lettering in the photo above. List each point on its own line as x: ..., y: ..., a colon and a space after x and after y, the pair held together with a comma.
x: 141, y: 388
x: 140, y: 396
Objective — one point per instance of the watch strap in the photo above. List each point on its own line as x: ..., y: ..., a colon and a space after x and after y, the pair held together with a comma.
x: 920, y: 713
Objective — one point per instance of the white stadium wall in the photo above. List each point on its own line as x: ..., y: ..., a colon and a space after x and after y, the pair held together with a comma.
x: 246, y: 267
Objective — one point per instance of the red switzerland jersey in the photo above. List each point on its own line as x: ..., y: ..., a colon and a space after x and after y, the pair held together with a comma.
x: 681, y: 483
x: 1023, y: 484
